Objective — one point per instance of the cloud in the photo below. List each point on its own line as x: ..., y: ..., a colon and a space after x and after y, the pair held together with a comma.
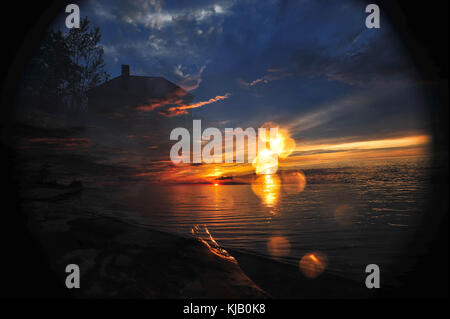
x: 174, y: 98
x: 157, y: 15
x: 181, y: 109
x: 188, y: 81
x: 362, y: 59
x: 156, y: 36
x: 344, y: 108
x: 254, y: 82
x: 273, y: 74
x: 175, y: 104
x: 381, y: 143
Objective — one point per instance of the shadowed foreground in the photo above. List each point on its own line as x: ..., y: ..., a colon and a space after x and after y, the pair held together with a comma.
x: 120, y: 259
x: 117, y: 259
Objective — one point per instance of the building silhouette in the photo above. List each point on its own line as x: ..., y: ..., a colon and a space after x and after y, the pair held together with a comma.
x: 128, y: 92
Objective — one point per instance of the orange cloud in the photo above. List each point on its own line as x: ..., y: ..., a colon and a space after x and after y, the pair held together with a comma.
x: 405, y: 141
x: 328, y: 153
x: 175, y: 98
x: 181, y: 109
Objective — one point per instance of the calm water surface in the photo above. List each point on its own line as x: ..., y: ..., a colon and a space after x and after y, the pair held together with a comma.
x: 353, y: 215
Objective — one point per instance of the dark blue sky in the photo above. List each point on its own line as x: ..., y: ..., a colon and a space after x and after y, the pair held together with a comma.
x: 311, y: 66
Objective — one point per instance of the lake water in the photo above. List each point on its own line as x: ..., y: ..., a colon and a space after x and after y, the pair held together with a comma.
x: 354, y: 215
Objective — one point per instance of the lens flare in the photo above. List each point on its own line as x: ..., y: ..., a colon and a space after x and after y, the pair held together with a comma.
x: 293, y: 182
x: 279, y: 145
x: 345, y: 215
x: 282, y: 144
x: 266, y: 162
x: 313, y: 264
x: 278, y: 246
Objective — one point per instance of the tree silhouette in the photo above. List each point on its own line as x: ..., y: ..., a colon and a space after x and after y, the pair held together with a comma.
x: 87, y: 56
x: 64, y: 68
x: 48, y: 73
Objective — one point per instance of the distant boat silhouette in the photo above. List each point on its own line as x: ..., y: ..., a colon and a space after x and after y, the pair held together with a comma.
x: 222, y: 178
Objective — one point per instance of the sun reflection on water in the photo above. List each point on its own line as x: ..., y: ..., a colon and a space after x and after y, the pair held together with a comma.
x: 267, y: 187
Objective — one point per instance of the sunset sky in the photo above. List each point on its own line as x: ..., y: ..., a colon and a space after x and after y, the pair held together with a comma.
x: 341, y: 90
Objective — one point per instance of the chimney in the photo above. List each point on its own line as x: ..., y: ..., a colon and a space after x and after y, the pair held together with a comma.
x: 125, y: 70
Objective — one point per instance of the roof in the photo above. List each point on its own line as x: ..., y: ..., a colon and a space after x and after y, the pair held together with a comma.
x: 133, y: 91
